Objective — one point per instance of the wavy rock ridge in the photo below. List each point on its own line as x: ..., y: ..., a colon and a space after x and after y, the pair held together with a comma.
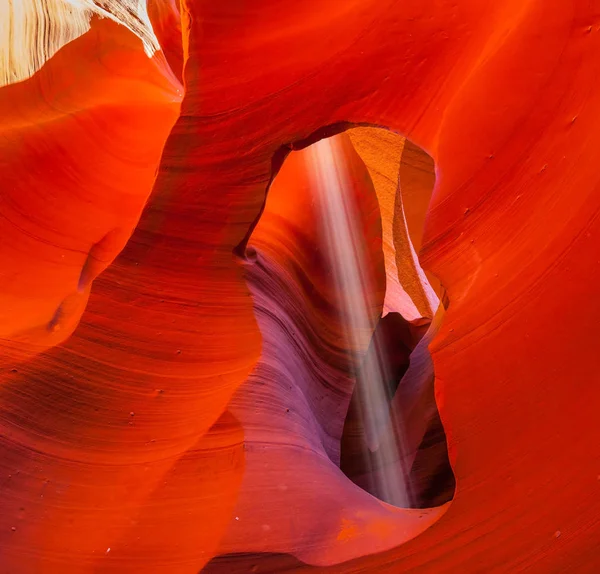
x: 143, y: 385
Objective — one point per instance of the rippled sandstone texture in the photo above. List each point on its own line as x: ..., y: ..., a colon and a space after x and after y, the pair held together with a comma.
x: 129, y: 444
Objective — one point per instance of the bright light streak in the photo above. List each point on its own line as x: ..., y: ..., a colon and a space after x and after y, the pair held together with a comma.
x: 342, y: 235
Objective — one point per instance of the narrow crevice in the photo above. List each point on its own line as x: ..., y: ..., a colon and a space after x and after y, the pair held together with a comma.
x: 428, y: 472
x: 411, y: 416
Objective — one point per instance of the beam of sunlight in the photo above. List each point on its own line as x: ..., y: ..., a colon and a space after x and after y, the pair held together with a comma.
x: 342, y: 232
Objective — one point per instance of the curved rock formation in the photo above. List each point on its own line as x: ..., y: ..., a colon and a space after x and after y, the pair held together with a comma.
x: 81, y: 142
x: 148, y: 430
x: 294, y: 404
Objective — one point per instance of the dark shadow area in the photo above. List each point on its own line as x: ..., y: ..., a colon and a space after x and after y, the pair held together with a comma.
x: 428, y: 474
x: 431, y: 475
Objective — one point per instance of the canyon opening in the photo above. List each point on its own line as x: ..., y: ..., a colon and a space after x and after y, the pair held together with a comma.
x: 358, y: 310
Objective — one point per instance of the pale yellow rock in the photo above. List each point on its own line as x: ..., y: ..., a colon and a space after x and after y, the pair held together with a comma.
x: 32, y: 31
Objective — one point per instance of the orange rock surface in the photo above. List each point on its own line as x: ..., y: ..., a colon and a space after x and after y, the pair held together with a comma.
x: 150, y: 354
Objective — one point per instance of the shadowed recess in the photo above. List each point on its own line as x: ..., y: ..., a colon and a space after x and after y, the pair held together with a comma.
x: 322, y: 268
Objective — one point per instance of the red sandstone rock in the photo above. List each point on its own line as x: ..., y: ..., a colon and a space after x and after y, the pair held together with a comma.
x: 81, y: 141
x: 503, y: 96
x: 294, y: 404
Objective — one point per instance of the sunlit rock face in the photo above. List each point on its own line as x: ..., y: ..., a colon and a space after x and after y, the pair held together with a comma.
x: 178, y: 385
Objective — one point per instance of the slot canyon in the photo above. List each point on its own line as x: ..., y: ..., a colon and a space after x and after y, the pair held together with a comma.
x: 299, y: 287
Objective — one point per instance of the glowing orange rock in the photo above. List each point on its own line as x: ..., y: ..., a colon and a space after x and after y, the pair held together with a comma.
x: 400, y: 170
x: 504, y: 96
x: 90, y: 474
x: 293, y: 406
x: 490, y: 90
x: 81, y: 143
